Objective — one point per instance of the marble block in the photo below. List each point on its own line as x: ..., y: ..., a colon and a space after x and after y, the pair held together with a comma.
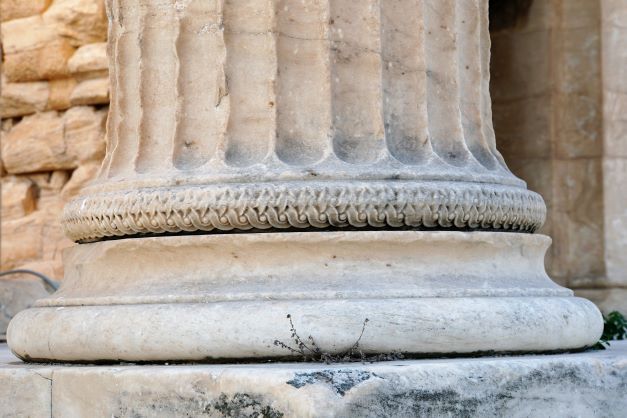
x: 589, y: 384
x: 227, y: 297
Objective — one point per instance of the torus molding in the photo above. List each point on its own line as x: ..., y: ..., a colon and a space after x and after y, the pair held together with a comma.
x: 302, y: 205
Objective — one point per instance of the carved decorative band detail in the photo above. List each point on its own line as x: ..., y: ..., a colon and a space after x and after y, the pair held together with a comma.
x: 303, y: 205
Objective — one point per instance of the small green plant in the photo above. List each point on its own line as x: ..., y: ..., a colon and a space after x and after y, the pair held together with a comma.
x: 614, y: 328
x: 308, y: 350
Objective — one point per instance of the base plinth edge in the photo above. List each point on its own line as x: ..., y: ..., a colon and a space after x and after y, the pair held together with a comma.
x: 589, y: 384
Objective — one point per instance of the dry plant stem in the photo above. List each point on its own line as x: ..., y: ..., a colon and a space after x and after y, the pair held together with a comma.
x: 314, y: 353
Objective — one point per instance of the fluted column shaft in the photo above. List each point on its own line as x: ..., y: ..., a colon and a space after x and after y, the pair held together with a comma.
x: 262, y: 114
x: 239, y: 114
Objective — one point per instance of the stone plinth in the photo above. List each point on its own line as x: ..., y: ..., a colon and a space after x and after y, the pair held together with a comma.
x: 372, y: 118
x: 220, y: 297
x: 589, y: 384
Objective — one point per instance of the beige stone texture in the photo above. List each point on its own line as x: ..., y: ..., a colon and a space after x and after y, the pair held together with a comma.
x: 88, y: 58
x: 615, y: 122
x: 36, y: 240
x: 19, y: 197
x: 79, y: 21
x: 36, y: 144
x: 15, y: 9
x: 22, y: 240
x: 50, y: 141
x: 19, y: 99
x: 84, y: 133
x: 615, y: 208
x: 55, y: 154
x: 81, y: 177
x: 60, y: 94
x: 40, y: 63
x: 33, y: 50
x: 22, y: 99
x: 90, y: 92
x: 576, y: 195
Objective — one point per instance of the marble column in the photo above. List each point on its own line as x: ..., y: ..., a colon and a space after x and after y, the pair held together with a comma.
x: 333, y: 161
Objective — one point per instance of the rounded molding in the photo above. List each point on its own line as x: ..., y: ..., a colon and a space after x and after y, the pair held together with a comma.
x: 380, y: 204
x: 209, y: 297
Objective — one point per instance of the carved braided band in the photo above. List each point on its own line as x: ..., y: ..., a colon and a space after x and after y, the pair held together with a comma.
x: 302, y: 205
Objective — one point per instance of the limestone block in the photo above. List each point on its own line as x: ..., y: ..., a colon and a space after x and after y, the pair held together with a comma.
x: 578, y: 236
x: 90, y: 92
x: 578, y: 125
x: 91, y: 57
x: 25, y: 393
x: 57, y: 180
x: 84, y: 133
x: 578, y: 88
x: 615, y: 209
x: 50, y: 194
x: 49, y: 141
x: 19, y: 99
x: 79, y: 21
x: 55, y: 241
x: 525, y: 73
x: 43, y: 243
x: 586, y: 385
x: 26, y: 34
x: 523, y: 128
x: 615, y: 56
x: 15, y: 9
x: 614, y: 12
x: 33, y: 50
x: 22, y: 240
x: 37, y: 144
x: 84, y: 174
x: 615, y: 123
x: 50, y: 182
x: 19, y: 197
x: 60, y: 94
x: 577, y: 14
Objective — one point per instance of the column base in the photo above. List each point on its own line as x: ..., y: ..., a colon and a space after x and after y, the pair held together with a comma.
x: 218, y: 297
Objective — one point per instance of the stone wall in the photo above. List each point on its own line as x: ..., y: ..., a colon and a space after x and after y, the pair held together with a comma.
x: 53, y: 104
x: 558, y: 73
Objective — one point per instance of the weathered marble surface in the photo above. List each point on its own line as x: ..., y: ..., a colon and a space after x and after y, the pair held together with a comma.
x: 590, y: 384
x: 286, y: 114
x: 243, y: 115
x: 227, y: 296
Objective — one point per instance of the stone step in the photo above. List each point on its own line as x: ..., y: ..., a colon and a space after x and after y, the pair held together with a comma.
x: 588, y: 384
